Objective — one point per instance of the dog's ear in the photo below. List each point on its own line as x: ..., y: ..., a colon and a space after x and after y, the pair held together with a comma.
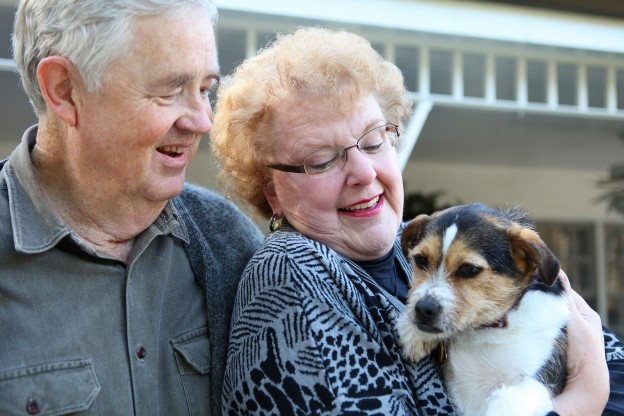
x: 531, y: 254
x: 413, y: 232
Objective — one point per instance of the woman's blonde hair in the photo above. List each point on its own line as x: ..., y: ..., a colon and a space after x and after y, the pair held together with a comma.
x: 333, y: 66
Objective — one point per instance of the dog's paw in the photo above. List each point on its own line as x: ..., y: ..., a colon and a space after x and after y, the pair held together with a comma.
x: 418, y: 350
x: 527, y: 398
x: 415, y: 344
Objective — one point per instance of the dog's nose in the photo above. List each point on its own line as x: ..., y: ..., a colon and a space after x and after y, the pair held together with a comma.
x: 427, y: 310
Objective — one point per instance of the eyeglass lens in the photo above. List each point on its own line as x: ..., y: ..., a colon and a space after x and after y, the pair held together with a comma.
x: 372, y: 142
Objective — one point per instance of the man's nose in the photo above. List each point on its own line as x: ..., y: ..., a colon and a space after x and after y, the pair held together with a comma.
x: 197, y: 117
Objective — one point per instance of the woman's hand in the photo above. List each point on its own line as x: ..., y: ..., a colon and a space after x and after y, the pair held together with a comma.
x: 587, y: 385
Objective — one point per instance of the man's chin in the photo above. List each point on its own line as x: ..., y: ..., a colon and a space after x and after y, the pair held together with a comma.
x: 165, y: 190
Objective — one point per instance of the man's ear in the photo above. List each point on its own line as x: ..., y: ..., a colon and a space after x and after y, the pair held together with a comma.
x: 58, y: 83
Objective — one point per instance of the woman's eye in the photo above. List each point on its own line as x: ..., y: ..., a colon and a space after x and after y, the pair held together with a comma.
x: 372, y: 148
x: 320, y: 160
x: 320, y: 166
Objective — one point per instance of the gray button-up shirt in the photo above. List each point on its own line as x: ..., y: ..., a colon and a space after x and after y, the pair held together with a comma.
x: 83, y: 333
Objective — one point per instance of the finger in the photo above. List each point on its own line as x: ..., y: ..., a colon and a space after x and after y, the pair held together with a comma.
x: 564, y: 279
x: 578, y: 306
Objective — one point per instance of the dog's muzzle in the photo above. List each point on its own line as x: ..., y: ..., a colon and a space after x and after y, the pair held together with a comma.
x: 428, y: 311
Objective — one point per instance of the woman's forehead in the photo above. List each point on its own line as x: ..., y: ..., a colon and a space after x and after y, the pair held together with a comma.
x: 311, y: 124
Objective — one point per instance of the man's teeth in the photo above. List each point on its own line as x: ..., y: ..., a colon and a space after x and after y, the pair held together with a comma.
x: 365, y: 205
x: 171, y: 149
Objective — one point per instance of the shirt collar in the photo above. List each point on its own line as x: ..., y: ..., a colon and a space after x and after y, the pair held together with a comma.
x: 35, y: 227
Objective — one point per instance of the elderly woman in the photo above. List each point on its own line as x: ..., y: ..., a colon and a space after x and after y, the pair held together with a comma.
x: 306, y: 133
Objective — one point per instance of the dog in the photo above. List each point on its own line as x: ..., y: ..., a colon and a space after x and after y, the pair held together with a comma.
x: 485, y: 290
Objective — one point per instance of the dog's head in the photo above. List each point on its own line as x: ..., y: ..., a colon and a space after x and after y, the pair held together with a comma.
x: 471, y: 265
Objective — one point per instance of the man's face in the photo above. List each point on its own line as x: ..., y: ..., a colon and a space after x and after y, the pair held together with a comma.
x: 139, y: 133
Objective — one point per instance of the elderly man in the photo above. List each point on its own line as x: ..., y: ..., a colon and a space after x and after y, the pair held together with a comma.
x: 116, y: 278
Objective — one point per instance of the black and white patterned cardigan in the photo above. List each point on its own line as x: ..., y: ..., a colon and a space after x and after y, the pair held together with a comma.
x: 312, y: 335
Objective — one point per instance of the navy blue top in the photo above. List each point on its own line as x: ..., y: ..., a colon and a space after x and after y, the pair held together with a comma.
x: 384, y: 271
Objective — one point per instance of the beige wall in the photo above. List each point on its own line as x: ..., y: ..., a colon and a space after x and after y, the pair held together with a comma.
x: 561, y: 195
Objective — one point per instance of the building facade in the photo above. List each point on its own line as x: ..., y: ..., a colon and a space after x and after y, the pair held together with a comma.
x: 513, y: 105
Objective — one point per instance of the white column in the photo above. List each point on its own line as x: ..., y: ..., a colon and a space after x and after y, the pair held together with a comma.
x: 601, y: 272
x: 458, y: 76
x: 7, y: 65
x: 412, y: 131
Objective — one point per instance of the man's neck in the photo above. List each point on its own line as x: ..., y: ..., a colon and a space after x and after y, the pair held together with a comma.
x: 106, y: 219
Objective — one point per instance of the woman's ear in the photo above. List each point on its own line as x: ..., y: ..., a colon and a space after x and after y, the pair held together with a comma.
x: 57, y: 78
x: 271, y: 196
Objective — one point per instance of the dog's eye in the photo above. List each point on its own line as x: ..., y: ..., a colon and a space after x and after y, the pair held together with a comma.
x: 468, y: 270
x: 421, y: 261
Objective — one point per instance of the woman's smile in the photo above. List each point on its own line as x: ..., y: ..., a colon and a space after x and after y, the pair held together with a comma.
x: 364, y: 208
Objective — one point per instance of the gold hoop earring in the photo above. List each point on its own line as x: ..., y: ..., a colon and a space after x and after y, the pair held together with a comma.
x: 276, y: 223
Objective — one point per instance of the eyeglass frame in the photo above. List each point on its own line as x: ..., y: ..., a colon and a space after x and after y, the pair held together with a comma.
x: 301, y: 168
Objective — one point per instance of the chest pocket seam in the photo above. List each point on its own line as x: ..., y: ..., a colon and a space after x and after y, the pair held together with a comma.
x: 54, y: 388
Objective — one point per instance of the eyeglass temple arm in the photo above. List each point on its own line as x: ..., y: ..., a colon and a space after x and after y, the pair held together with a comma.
x: 287, y: 168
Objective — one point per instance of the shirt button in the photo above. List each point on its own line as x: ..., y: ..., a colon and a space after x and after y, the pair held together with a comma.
x: 141, y: 352
x: 33, y: 407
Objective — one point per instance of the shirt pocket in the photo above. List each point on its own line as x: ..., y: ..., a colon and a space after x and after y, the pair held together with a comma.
x: 192, y: 353
x: 50, y: 389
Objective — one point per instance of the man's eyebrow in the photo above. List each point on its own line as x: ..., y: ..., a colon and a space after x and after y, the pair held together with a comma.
x: 215, y: 76
x: 174, y: 80
x: 178, y: 80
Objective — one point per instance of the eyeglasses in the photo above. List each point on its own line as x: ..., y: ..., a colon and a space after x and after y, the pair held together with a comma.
x: 330, y: 159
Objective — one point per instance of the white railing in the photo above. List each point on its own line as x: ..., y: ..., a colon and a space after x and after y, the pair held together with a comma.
x: 7, y: 65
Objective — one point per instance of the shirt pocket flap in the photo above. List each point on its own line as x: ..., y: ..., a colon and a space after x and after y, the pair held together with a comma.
x: 49, y: 389
x: 194, y: 346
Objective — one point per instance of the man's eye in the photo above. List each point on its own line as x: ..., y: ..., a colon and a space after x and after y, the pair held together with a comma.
x: 170, y: 94
x: 209, y: 92
x: 166, y: 98
x: 206, y: 93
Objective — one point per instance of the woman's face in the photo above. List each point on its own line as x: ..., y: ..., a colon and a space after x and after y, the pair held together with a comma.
x: 356, y: 209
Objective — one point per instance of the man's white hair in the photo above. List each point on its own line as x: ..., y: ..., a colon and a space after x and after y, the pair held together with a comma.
x: 90, y: 33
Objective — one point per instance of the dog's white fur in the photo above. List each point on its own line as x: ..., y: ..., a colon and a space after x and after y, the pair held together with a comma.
x: 489, y: 370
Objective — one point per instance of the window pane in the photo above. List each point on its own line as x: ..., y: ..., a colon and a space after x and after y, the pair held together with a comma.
x: 566, y: 84
x: 6, y: 27
x: 407, y: 59
x: 573, y: 245
x: 231, y: 44
x: 264, y: 39
x: 537, y: 74
x: 619, y: 80
x: 474, y: 75
x: 380, y: 48
x: 506, y: 78
x: 441, y: 67
x: 16, y: 114
x: 614, y: 256
x: 597, y: 87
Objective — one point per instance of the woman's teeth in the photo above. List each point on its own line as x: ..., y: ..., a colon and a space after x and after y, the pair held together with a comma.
x: 365, y: 205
